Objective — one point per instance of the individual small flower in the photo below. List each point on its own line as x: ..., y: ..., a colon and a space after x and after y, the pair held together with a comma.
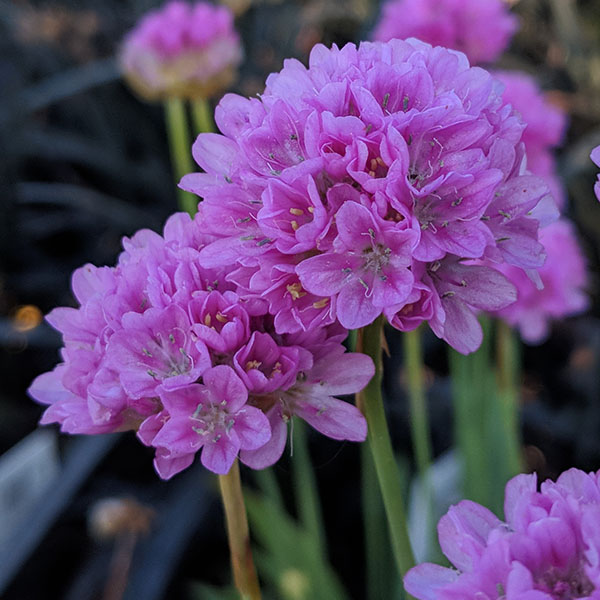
x: 350, y: 187
x: 547, y: 549
x: 482, y: 29
x: 595, y: 156
x: 182, y: 50
x: 155, y: 349
x: 546, y: 125
x: 564, y: 278
x: 312, y: 399
x: 368, y: 269
x: 213, y: 416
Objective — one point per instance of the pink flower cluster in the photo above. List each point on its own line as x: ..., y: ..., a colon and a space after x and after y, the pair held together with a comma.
x: 482, y: 29
x: 368, y: 183
x: 595, y: 156
x: 546, y: 125
x: 182, y: 50
x: 564, y: 278
x: 548, y: 548
x: 163, y: 346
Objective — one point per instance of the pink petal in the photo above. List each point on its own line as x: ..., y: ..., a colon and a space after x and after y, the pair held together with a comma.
x: 332, y: 417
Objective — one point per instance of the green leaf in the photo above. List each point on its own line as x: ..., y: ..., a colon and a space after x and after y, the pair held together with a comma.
x: 289, y: 560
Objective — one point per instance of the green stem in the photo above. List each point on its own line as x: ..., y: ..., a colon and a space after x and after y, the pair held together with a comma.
x: 181, y: 150
x: 377, y: 545
x: 471, y: 391
x: 508, y: 360
x: 413, y: 369
x: 202, y: 115
x: 307, y: 497
x: 370, y: 402
x: 244, y: 572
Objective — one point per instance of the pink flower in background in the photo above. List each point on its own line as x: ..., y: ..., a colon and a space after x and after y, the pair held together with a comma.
x: 165, y: 347
x: 341, y: 191
x: 546, y: 125
x: 482, y: 29
x: 182, y: 50
x: 564, y: 278
x: 595, y: 156
x: 548, y: 548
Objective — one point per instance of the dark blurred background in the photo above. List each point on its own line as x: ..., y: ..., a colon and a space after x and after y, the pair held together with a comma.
x: 84, y: 162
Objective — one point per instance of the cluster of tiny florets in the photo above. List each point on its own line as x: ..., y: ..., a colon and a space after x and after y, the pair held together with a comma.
x: 548, y: 548
x: 163, y: 346
x: 380, y: 179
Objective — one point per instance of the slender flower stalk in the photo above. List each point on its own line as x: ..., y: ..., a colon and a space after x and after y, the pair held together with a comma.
x: 307, y: 493
x: 179, y: 146
x: 419, y: 417
x: 370, y: 402
x: 244, y: 572
x: 470, y: 377
x: 378, y: 559
x: 202, y: 115
x: 508, y: 361
x: 418, y: 406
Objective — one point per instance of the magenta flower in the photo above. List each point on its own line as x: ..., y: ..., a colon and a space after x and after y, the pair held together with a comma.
x: 155, y: 349
x: 182, y: 50
x: 312, y: 398
x: 547, y: 549
x: 546, y: 125
x: 213, y: 416
x: 482, y: 29
x: 564, y: 278
x: 369, y: 268
x: 338, y: 194
x: 595, y: 156
x: 265, y: 367
x: 164, y: 346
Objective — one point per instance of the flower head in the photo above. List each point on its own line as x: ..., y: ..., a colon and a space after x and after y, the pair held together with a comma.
x: 482, y: 29
x: 182, y: 50
x: 562, y: 291
x: 546, y: 125
x: 351, y: 187
x: 547, y: 549
x: 166, y: 347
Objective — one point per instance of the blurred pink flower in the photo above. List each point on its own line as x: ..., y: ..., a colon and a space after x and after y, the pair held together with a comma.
x: 482, y: 29
x: 564, y: 278
x: 546, y: 125
x: 182, y: 50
